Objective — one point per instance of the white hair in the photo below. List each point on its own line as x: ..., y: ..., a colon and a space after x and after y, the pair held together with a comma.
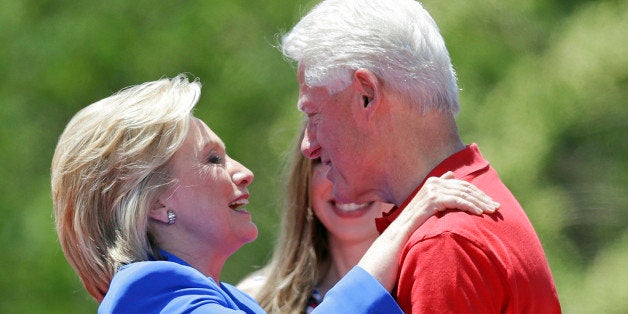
x: 395, y: 39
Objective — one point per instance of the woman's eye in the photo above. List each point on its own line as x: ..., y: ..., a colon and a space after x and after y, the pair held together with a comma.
x: 214, y: 159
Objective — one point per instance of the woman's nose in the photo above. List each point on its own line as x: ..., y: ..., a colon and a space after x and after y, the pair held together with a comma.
x: 241, y: 175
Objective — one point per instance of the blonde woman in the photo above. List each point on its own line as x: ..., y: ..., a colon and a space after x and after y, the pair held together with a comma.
x: 149, y: 206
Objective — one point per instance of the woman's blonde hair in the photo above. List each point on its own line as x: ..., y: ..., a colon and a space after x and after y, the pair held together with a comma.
x: 109, y: 166
x: 302, y: 246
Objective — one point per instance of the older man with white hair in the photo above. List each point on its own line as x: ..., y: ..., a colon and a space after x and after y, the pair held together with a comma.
x: 380, y: 95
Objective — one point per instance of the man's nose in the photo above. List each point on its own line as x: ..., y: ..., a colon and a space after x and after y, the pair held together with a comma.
x: 309, y: 146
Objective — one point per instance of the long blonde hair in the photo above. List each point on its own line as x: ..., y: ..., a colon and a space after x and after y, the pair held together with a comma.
x: 301, y: 248
x: 109, y: 166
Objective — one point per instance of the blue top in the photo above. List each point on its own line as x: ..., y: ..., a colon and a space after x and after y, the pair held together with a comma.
x: 173, y: 286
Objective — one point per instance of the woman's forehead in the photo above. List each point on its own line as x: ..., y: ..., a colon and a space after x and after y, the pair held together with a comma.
x: 202, y: 138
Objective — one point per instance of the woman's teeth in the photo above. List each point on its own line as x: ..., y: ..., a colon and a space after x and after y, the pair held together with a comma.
x: 350, y: 206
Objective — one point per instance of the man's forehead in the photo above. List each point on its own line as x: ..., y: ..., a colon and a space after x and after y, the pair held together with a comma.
x: 311, y: 98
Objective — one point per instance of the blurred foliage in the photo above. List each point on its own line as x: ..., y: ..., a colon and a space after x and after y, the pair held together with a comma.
x: 544, y: 93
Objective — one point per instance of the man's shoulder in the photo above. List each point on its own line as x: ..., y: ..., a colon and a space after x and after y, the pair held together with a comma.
x: 507, y: 232
x: 462, y: 224
x: 508, y: 221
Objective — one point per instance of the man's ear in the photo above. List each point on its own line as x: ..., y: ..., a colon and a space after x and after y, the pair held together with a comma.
x: 369, y: 88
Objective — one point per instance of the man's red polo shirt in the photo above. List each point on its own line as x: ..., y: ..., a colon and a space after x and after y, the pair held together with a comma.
x: 461, y: 263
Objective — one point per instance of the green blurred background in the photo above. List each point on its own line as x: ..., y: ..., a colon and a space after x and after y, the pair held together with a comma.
x: 544, y: 93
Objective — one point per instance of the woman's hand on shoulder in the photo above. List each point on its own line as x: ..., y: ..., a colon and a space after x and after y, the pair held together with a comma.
x: 447, y: 192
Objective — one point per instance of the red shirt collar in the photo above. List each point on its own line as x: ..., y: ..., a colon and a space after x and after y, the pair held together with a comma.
x: 463, y: 163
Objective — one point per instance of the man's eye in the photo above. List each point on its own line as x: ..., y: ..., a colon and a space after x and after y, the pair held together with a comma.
x: 214, y: 159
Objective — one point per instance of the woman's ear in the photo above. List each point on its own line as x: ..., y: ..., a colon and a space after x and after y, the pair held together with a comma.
x: 159, y: 212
